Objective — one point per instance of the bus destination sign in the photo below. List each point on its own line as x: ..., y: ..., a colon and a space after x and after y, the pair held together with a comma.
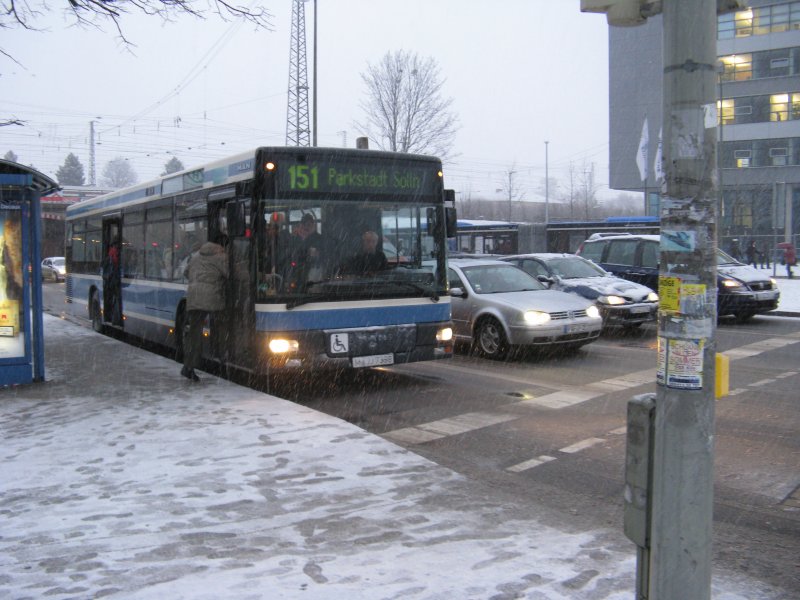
x: 369, y: 178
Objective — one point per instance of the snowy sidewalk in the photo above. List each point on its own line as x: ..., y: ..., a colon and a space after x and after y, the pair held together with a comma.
x: 121, y: 479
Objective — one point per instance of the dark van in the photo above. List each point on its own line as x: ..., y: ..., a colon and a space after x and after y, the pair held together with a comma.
x: 741, y: 290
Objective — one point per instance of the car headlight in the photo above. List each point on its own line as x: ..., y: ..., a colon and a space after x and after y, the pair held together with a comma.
x: 593, y: 312
x: 731, y: 283
x: 774, y: 282
x: 652, y: 297
x: 536, y: 317
x: 612, y: 300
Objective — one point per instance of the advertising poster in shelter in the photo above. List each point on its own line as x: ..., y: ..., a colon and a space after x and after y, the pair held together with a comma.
x: 12, y: 338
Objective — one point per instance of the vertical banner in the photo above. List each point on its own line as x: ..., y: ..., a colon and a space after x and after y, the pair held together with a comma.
x: 12, y: 339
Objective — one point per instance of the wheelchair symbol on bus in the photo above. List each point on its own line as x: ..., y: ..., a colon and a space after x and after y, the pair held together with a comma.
x: 339, y: 343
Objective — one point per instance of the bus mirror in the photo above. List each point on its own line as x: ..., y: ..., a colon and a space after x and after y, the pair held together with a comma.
x: 451, y: 222
x: 235, y: 217
x: 450, y: 196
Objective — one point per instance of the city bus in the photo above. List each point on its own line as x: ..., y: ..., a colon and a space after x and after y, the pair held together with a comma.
x: 284, y: 309
x: 503, y: 237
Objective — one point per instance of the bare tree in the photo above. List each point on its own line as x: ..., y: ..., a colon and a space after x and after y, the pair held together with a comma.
x: 118, y: 173
x: 404, y: 107
x: 98, y: 13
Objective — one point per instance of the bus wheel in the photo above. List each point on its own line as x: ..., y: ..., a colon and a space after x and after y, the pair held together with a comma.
x: 179, y: 324
x: 96, y: 315
x: 491, y: 339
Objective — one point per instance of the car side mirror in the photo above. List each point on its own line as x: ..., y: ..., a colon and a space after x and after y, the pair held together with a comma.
x: 548, y: 281
x: 458, y: 292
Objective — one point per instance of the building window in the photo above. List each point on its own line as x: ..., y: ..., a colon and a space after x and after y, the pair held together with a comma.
x: 759, y: 21
x: 779, y: 107
x: 737, y: 67
x: 778, y: 156
x: 726, y: 111
x: 742, y: 158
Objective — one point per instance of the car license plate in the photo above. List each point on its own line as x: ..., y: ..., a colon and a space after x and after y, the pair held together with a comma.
x: 637, y: 310
x: 768, y: 295
x: 373, y: 361
x: 577, y: 328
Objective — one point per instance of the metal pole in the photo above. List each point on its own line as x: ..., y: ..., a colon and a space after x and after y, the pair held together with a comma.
x: 546, y: 187
x: 314, y: 100
x: 680, y: 560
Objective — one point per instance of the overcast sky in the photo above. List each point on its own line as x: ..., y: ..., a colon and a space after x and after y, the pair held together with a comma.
x: 520, y: 72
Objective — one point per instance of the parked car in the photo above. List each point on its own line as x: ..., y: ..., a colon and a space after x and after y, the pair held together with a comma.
x: 54, y: 268
x: 496, y: 306
x: 741, y: 290
x: 622, y: 303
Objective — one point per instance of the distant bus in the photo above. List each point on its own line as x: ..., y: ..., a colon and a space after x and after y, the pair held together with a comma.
x: 285, y: 309
x: 476, y: 236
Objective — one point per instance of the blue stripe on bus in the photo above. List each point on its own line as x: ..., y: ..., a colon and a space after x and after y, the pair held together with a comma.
x: 344, y: 319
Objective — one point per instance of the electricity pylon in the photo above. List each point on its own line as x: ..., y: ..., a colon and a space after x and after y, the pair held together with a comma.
x: 297, y: 123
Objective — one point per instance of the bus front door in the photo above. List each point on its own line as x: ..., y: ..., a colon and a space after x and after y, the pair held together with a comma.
x: 240, y: 301
x: 112, y: 272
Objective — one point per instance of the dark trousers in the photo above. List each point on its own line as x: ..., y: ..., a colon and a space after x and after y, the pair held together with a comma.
x: 193, y: 338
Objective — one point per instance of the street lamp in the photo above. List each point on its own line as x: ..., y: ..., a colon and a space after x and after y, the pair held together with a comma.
x: 546, y: 187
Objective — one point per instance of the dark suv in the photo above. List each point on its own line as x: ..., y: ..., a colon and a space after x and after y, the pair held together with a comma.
x: 741, y: 290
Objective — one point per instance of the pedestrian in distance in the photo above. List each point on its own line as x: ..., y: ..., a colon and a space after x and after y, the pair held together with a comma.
x: 751, y: 253
x: 789, y: 257
x: 736, y: 252
x: 207, y: 274
x: 765, y: 256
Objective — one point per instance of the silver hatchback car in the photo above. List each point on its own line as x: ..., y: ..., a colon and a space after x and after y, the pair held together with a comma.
x: 496, y: 306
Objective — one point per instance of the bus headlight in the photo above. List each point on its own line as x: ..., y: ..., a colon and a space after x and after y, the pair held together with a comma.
x: 282, y: 346
x: 536, y: 317
x: 593, y: 312
x: 444, y: 335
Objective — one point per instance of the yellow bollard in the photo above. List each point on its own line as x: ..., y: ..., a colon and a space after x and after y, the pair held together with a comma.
x: 722, y: 381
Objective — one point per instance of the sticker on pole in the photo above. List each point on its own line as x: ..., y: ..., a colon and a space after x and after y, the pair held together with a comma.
x: 680, y: 364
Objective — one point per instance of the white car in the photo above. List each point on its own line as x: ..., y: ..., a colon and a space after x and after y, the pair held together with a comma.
x: 54, y: 268
x: 497, y: 306
x: 622, y: 303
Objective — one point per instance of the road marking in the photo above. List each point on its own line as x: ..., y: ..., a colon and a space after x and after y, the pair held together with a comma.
x: 565, y: 397
x: 530, y: 464
x: 786, y: 374
x: 758, y: 347
x: 435, y: 430
x: 582, y: 445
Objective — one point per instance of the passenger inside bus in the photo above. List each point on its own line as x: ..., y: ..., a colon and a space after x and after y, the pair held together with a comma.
x: 369, y: 260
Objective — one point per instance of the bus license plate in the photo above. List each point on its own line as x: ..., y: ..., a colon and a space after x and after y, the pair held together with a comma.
x: 373, y: 361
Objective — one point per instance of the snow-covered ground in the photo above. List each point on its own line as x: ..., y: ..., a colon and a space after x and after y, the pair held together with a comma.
x: 119, y: 478
x: 790, y: 293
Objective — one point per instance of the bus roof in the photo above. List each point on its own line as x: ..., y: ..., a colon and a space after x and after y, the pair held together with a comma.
x: 238, y: 167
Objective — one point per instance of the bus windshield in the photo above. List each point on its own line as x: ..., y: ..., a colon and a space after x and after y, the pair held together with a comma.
x: 333, y: 250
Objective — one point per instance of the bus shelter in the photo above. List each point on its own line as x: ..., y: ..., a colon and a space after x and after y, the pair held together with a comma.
x: 21, y: 326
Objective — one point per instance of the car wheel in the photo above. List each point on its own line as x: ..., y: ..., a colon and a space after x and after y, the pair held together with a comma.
x: 96, y: 315
x: 744, y: 316
x: 490, y: 339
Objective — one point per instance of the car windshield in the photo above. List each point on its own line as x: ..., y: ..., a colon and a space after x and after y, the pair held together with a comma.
x: 572, y: 267
x: 58, y: 262
x: 496, y: 279
x: 725, y: 259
